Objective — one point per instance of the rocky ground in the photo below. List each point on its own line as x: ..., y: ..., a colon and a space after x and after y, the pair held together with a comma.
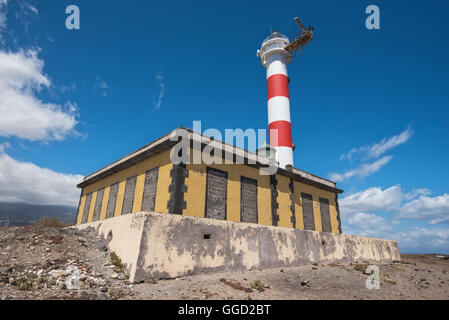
x: 36, y: 262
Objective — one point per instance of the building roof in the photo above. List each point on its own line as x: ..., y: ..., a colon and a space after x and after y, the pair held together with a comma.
x: 169, y: 140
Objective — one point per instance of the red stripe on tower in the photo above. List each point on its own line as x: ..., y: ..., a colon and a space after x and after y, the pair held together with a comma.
x: 283, y: 134
x: 277, y: 86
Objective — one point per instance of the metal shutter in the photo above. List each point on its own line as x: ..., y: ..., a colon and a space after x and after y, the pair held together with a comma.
x: 307, y: 211
x: 87, y: 208
x: 98, y: 203
x: 325, y: 215
x: 149, y: 191
x: 129, y: 195
x: 248, y: 202
x: 216, y: 194
x: 112, y: 201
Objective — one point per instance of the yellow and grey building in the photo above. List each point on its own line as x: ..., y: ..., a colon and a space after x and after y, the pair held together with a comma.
x: 147, y: 180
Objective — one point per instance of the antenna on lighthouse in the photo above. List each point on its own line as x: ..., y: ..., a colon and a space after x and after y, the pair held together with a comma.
x: 301, y: 40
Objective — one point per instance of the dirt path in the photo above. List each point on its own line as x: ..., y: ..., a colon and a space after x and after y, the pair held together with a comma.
x: 416, y: 277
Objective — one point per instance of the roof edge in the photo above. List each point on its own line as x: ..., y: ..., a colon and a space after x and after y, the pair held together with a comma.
x: 170, y: 139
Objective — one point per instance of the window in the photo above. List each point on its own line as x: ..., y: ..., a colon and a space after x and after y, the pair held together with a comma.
x: 112, y: 201
x: 325, y: 215
x: 128, y: 198
x: 86, y: 208
x: 307, y: 211
x: 216, y: 194
x: 98, y: 203
x: 149, y: 191
x: 248, y: 200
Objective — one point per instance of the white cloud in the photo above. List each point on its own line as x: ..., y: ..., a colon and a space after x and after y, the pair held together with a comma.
x: 157, y: 102
x: 102, y: 85
x: 367, y: 225
x: 23, y: 114
x: 68, y: 88
x: 362, y: 171
x: 29, y: 183
x: 378, y: 149
x: 358, y: 217
x: 3, y: 147
x: 29, y: 8
x: 423, y: 240
x: 416, y: 193
x: 433, y: 209
x: 372, y: 199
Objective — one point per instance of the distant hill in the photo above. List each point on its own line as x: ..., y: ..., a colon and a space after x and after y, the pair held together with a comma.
x: 20, y: 214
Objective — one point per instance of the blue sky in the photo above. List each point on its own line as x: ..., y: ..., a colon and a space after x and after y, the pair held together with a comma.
x: 138, y: 69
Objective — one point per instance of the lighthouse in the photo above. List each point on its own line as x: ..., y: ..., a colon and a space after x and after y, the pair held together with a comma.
x: 276, y: 54
x: 275, y: 59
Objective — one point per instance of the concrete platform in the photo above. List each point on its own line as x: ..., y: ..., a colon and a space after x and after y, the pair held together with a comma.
x: 160, y: 245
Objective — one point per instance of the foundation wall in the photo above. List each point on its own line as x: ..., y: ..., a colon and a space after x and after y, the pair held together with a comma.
x: 159, y: 245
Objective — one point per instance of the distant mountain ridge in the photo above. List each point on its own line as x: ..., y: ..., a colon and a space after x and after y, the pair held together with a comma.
x: 21, y: 214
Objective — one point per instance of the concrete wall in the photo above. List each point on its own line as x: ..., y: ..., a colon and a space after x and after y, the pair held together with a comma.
x: 125, y: 236
x: 166, y: 246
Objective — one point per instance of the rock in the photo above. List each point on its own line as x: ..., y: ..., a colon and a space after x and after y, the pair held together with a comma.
x: 101, y: 282
x: 114, y: 276
x: 82, y: 240
x: 305, y: 283
x: 103, y: 248
x: 60, y: 283
x: 4, y: 270
x: 57, y: 273
x: 104, y: 289
x: 11, y: 281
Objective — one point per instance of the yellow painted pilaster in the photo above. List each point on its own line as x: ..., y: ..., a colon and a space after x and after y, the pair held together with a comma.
x: 162, y: 193
x: 138, y: 194
x: 92, y: 207
x: 264, y: 200
x: 317, y: 213
x: 195, y: 197
x: 120, y: 196
x: 104, y: 205
x: 80, y: 210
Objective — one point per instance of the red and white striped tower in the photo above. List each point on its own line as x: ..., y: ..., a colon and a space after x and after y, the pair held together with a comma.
x: 275, y: 58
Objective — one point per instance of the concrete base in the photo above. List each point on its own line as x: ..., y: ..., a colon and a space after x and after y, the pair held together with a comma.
x: 159, y: 245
